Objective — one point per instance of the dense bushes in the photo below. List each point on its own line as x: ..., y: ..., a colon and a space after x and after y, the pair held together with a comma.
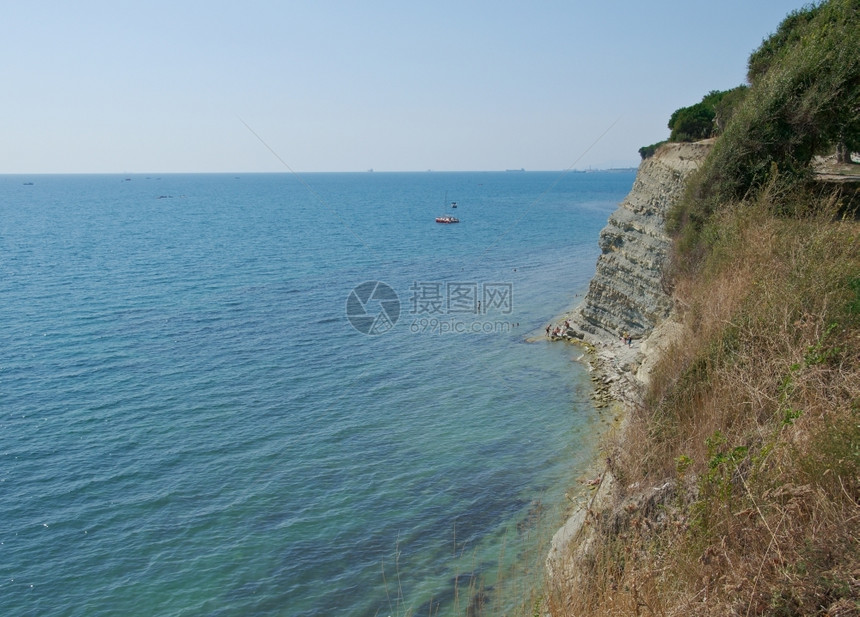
x: 706, y: 118
x: 788, y: 33
x: 804, y: 100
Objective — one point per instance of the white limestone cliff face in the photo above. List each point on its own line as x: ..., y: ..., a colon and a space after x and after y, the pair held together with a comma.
x: 627, y: 292
x: 626, y: 295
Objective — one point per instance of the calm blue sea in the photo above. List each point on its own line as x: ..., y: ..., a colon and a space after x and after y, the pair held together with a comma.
x: 190, y: 423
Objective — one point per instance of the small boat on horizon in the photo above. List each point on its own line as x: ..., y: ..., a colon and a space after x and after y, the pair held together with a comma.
x: 448, y: 218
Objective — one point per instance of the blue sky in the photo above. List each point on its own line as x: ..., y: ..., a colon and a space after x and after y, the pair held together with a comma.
x: 144, y: 87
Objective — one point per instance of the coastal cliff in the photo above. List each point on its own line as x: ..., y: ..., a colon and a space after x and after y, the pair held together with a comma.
x: 731, y: 483
x: 735, y: 453
x: 627, y: 294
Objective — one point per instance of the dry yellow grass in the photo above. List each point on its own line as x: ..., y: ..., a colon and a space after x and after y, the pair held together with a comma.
x: 752, y: 421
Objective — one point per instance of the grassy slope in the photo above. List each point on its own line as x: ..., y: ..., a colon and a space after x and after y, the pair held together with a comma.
x: 752, y: 420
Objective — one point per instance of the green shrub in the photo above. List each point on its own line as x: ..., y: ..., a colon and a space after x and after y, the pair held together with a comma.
x: 804, y: 100
x: 648, y: 151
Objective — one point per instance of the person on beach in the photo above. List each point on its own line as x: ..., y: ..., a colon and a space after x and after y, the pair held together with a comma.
x: 548, y: 328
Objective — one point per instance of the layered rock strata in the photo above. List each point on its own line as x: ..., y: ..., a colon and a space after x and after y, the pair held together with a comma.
x: 627, y: 294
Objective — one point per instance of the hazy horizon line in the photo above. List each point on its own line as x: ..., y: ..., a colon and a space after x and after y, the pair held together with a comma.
x: 150, y: 174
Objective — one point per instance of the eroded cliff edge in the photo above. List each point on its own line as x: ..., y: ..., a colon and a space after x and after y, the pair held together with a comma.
x: 627, y: 296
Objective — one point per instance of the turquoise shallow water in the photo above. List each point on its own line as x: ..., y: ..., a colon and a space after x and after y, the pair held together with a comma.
x: 190, y: 425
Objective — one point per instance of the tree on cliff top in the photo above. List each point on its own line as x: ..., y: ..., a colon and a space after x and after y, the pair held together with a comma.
x: 804, y: 98
x: 707, y: 117
x: 788, y: 33
x: 799, y: 29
